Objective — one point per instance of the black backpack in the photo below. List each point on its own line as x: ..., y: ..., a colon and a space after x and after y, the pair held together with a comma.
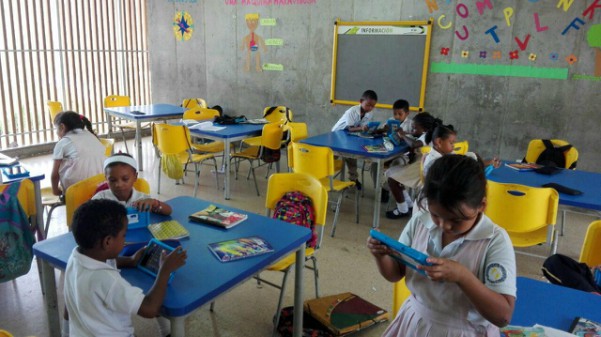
x: 565, y: 271
x: 554, y: 156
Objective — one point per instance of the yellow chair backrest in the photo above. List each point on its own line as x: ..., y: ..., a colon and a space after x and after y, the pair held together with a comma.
x: 278, y: 114
x: 171, y: 139
x: 116, y: 101
x: 199, y: 113
x: 82, y: 191
x: 536, y: 147
x: 524, y: 212
x: 26, y: 197
x: 316, y: 161
x: 193, y: 103
x: 298, y: 131
x: 591, y: 247
x: 271, y: 137
x: 461, y: 147
x: 54, y: 108
x: 425, y: 149
x: 400, y: 293
x: 280, y: 183
x: 108, y: 143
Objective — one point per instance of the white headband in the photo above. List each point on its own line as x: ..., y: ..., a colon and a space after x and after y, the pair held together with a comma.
x: 118, y: 158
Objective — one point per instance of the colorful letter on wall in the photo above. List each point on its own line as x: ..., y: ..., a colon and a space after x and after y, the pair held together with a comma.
x: 492, y: 33
x: 573, y: 25
x: 508, y: 12
x: 480, y: 5
x: 432, y: 5
x: 590, y: 11
x: 537, y: 24
x: 465, y: 35
x: 440, y: 22
x: 524, y: 44
x: 566, y: 4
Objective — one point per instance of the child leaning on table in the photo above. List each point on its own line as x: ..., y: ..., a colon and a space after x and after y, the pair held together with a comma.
x: 121, y: 173
x: 470, y: 288
x: 99, y: 301
x: 356, y: 119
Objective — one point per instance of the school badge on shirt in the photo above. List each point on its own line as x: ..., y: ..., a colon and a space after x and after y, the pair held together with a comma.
x: 495, y: 273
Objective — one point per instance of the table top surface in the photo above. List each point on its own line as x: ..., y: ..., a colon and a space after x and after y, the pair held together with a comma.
x: 230, y: 131
x: 33, y: 176
x: 551, y: 305
x: 589, y: 183
x: 151, y: 111
x: 203, y: 277
x: 342, y: 142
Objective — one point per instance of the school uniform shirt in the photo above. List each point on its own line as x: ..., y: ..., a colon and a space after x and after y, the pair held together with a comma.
x: 100, y: 302
x: 407, y: 124
x: 441, y: 308
x: 429, y: 160
x: 352, y: 118
x: 81, y: 154
x: 108, y: 194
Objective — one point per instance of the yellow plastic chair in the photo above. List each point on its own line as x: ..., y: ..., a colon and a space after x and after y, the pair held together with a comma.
x: 174, y: 140
x: 461, y: 147
x: 113, y: 101
x: 278, y: 114
x: 204, y: 145
x: 591, y: 247
x: 528, y: 214
x: 82, y: 191
x: 536, y: 147
x: 400, y: 293
x: 54, y: 107
x: 109, y: 144
x: 270, y: 139
x: 50, y: 202
x: 298, y: 131
x: 190, y: 103
x: 318, y: 162
x: 4, y: 333
x: 26, y: 197
x: 278, y: 185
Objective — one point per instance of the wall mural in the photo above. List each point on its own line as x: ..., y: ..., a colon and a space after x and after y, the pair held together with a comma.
x: 252, y: 44
x: 541, y: 28
x: 183, y: 26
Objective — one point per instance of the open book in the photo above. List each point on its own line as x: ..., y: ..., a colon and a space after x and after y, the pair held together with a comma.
x: 168, y: 230
x: 523, y: 166
x: 583, y: 327
x: 218, y: 216
x: 236, y: 249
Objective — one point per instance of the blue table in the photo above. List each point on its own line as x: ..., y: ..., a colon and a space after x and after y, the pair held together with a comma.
x: 143, y: 113
x: 228, y: 135
x: 350, y: 146
x: 203, y: 278
x: 552, y: 305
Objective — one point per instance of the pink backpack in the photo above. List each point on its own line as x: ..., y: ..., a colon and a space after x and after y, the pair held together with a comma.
x: 297, y: 208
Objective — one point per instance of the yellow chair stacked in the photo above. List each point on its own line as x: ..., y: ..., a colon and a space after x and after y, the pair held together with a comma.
x: 274, y: 114
x: 114, y: 101
x: 536, y: 147
x: 82, y: 191
x: 278, y: 185
x: 174, y: 140
x: 54, y: 107
x: 203, y: 114
x: 591, y: 247
x: 528, y: 214
x: 318, y: 162
x: 190, y: 103
x: 270, y: 139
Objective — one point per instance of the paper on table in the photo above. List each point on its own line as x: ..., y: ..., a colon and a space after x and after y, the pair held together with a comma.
x: 208, y: 126
x: 189, y: 122
x: 552, y: 332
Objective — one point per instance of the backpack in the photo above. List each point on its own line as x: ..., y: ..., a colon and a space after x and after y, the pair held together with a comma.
x: 297, y: 208
x: 271, y: 109
x: 311, y: 326
x: 16, y: 237
x: 229, y: 120
x: 553, y: 156
x: 565, y: 271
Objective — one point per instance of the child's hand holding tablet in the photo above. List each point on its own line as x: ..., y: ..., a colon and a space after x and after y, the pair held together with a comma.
x: 400, y: 252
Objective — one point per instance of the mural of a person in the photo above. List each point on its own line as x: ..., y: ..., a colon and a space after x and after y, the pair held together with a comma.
x: 253, y: 43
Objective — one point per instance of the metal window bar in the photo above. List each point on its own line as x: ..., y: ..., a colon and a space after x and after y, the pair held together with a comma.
x: 76, y: 52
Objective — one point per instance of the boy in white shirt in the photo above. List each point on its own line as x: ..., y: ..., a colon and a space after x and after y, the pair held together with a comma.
x: 356, y: 119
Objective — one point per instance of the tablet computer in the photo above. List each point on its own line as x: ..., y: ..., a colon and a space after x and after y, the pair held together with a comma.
x: 393, y: 127
x: 402, y: 253
x: 137, y: 219
x: 150, y: 260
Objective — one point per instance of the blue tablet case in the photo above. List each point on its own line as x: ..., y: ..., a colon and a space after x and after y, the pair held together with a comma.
x: 137, y: 219
x: 393, y: 127
x: 150, y: 261
x: 402, y: 253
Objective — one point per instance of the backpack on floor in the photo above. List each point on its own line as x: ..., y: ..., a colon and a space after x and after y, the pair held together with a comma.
x: 297, y: 208
x: 565, y: 271
x: 16, y: 237
x: 553, y: 156
x: 311, y: 327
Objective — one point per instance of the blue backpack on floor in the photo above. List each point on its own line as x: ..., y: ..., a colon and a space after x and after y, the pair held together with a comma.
x: 16, y: 237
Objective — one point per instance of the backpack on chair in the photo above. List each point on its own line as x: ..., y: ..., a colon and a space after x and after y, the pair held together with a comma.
x: 553, y: 156
x: 297, y: 208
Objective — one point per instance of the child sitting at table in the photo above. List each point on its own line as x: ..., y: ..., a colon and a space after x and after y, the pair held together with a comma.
x: 121, y: 173
x: 356, y: 119
x: 100, y: 302
x: 77, y: 155
x: 469, y: 289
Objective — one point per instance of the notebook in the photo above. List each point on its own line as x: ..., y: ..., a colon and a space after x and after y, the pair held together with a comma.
x: 232, y: 250
x: 168, y: 230
x: 217, y: 216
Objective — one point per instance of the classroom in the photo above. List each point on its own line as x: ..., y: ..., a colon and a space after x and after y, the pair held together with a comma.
x: 501, y: 72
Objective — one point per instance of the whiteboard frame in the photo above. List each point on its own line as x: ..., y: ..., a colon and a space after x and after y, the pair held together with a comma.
x: 338, y: 23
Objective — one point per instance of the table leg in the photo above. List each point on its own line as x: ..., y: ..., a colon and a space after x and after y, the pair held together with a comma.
x: 178, y: 326
x: 226, y: 159
x: 52, y: 313
x: 298, y: 291
x: 378, y: 194
x: 139, y: 145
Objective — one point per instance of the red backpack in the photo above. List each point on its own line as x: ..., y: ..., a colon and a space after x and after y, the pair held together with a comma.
x: 297, y: 208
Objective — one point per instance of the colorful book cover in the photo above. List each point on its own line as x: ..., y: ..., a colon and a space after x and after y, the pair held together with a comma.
x: 375, y: 148
x: 168, y: 230
x: 236, y: 249
x: 523, y: 166
x: 522, y: 331
x: 218, y: 216
x: 583, y: 327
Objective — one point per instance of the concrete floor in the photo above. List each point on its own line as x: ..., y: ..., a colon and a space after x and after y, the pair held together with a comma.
x: 344, y: 263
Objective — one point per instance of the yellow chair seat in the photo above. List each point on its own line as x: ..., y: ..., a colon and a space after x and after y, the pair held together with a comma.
x: 530, y: 238
x: 248, y: 153
x: 289, y: 260
x: 213, y: 147
x: 48, y: 198
x: 252, y: 141
x: 132, y: 125
x: 337, y: 185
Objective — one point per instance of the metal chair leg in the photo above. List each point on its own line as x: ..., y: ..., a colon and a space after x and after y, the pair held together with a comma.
x: 340, y: 195
x: 277, y: 313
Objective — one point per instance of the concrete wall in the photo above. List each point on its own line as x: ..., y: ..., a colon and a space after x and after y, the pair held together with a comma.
x: 497, y: 114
